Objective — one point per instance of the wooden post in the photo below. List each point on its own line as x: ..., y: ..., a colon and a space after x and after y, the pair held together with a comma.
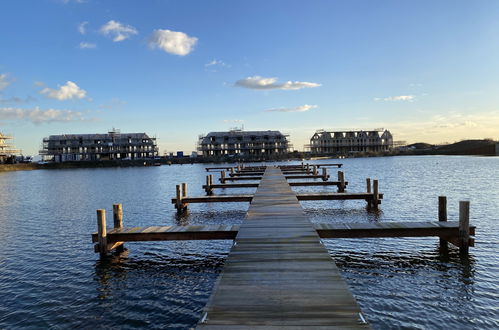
x: 341, y: 179
x: 222, y: 176
x: 118, y: 216
x: 464, y: 226
x: 118, y: 222
x: 442, y: 216
x: 368, y: 184
x: 302, y: 166
x: 308, y: 168
x: 314, y: 169
x: 232, y: 171
x: 178, y: 189
x: 324, y: 174
x: 184, y: 190
x: 101, y: 231
x: 375, y: 194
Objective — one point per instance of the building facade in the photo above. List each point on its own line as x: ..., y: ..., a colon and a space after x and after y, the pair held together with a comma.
x: 348, y: 142
x: 94, y: 147
x: 7, y: 151
x: 246, y: 144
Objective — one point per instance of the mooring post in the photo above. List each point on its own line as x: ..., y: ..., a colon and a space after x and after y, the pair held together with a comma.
x: 118, y: 222
x: 314, y: 169
x: 232, y: 171
x: 464, y: 226
x: 341, y: 179
x: 324, y: 174
x: 442, y: 216
x: 375, y: 194
x: 178, y: 190
x: 222, y: 176
x: 302, y: 166
x: 368, y: 184
x: 207, y: 187
x: 101, y: 231
x: 308, y: 168
x: 184, y: 190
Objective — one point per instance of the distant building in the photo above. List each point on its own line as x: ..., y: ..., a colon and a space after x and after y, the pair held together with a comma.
x: 346, y: 142
x: 7, y: 151
x: 93, y: 147
x: 247, y: 144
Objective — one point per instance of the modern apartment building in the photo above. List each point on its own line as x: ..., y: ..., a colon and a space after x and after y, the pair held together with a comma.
x: 347, y: 142
x: 113, y: 145
x: 248, y: 144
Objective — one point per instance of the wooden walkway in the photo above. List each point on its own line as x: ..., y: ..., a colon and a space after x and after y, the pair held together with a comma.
x: 278, y: 274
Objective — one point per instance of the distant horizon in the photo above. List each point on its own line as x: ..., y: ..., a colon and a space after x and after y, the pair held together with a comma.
x: 423, y: 70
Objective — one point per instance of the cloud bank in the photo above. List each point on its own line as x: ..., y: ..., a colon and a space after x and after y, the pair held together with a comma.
x: 257, y: 82
x: 177, y: 43
x: 301, y: 108
x: 65, y: 92
x: 117, y: 31
x: 38, y: 116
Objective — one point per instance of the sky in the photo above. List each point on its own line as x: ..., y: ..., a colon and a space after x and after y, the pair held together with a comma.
x: 428, y: 71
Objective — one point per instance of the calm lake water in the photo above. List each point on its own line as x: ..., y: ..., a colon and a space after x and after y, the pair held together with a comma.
x: 51, y: 278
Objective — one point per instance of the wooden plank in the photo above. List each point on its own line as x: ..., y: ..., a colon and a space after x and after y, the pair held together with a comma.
x: 278, y: 273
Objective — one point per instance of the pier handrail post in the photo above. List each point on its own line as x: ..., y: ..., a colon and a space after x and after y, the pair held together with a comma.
x: 101, y: 231
x: 341, y: 179
x: 314, y: 168
x: 324, y: 174
x: 375, y: 194
x: 442, y: 216
x: 178, y: 191
x: 464, y: 227
x: 118, y: 222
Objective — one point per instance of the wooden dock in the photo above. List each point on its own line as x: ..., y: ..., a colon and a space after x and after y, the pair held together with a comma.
x: 278, y: 273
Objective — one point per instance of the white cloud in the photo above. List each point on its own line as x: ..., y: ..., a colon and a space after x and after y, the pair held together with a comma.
x: 257, y: 82
x: 87, y: 45
x: 82, y: 28
x: 301, y: 108
x: 236, y: 121
x: 65, y: 92
x: 177, y: 43
x: 38, y: 116
x: 4, y: 81
x: 117, y: 31
x: 406, y: 98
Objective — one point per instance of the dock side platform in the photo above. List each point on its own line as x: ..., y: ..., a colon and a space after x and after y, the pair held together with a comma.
x: 278, y: 274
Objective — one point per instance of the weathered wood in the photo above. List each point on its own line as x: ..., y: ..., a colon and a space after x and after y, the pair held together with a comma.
x: 255, y: 185
x: 184, y: 190
x: 341, y: 179
x: 118, y: 225
x: 314, y: 170
x: 216, y: 168
x: 102, y: 231
x: 442, y: 216
x: 178, y: 200
x: 376, y: 198
x: 300, y: 197
x: 448, y: 229
x: 464, y: 226
x: 278, y: 273
x: 222, y: 177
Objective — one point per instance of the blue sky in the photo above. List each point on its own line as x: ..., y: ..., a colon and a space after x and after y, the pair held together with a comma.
x: 426, y: 70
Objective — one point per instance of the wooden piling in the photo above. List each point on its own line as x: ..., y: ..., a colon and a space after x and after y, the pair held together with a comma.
x: 118, y: 224
x: 222, y: 176
x: 375, y: 194
x: 324, y: 174
x: 314, y: 169
x: 178, y: 190
x: 464, y: 226
x: 341, y: 180
x: 184, y: 189
x: 101, y: 231
x: 368, y: 184
x: 442, y: 216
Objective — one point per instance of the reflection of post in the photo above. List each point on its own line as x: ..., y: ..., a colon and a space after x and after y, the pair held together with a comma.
x: 464, y: 226
x: 101, y: 231
x: 442, y: 216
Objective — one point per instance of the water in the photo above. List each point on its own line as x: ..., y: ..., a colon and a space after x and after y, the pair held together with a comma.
x: 51, y: 278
